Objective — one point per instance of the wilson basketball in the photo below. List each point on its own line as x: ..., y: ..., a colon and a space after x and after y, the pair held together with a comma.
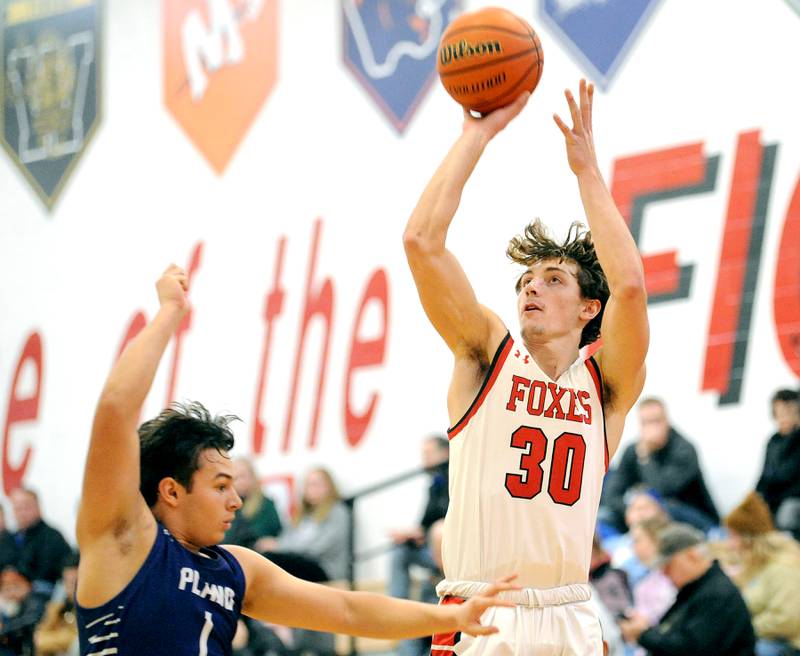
x: 488, y: 57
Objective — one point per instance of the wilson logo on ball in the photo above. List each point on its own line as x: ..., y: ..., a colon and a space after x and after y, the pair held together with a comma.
x: 489, y: 57
x: 454, y: 51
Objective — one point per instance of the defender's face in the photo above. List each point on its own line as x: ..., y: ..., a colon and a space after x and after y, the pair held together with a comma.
x: 549, y: 303
x: 212, y: 502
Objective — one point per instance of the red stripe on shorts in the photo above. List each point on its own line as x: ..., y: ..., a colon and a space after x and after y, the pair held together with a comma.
x: 441, y: 641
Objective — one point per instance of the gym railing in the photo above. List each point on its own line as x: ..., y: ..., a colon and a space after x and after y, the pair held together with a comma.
x: 350, y: 503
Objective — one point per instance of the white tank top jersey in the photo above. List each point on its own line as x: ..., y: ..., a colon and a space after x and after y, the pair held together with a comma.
x: 527, y: 462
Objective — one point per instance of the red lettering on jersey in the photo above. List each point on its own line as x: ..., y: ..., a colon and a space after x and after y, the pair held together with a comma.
x: 518, y: 385
x: 583, y: 399
x: 533, y: 443
x: 537, y: 386
x: 568, y: 449
x: 571, y: 416
x: 554, y: 410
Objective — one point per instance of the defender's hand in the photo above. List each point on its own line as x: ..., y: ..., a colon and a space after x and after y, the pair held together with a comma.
x: 579, y: 138
x: 468, y: 614
x: 173, y: 287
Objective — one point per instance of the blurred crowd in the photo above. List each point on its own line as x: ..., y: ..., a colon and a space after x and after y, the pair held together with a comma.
x: 670, y: 575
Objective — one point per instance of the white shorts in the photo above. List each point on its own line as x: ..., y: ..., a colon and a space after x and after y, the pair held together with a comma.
x: 554, y: 622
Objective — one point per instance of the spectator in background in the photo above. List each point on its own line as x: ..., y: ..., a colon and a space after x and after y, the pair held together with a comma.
x: 610, y: 583
x: 641, y: 503
x: 768, y: 574
x: 8, y: 546
x: 709, y: 615
x: 257, y: 518
x: 654, y: 593
x: 320, y: 534
x: 664, y: 460
x: 412, y: 546
x: 20, y: 611
x: 779, y: 483
x: 57, y: 633
x: 42, y: 549
x: 315, y: 547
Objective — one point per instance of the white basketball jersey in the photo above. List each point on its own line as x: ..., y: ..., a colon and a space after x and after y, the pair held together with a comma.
x: 527, y: 462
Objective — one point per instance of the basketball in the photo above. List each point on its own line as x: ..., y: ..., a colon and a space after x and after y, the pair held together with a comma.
x: 488, y: 57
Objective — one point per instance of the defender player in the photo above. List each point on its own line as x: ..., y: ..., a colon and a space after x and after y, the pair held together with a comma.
x: 154, y: 505
x: 533, y: 424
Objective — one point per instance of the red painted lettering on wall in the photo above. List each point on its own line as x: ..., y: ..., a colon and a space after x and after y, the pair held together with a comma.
x: 660, y: 175
x: 318, y: 303
x: 365, y: 353
x: 194, y: 265
x: 740, y: 257
x: 273, y: 307
x: 786, y: 299
x: 22, y: 409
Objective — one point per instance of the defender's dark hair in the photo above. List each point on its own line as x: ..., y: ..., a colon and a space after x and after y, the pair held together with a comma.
x: 535, y: 244
x: 170, y: 445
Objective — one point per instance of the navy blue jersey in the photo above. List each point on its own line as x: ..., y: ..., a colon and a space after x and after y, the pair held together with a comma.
x: 179, y: 604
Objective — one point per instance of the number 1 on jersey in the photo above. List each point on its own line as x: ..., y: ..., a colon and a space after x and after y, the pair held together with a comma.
x: 209, y: 624
x: 566, y: 466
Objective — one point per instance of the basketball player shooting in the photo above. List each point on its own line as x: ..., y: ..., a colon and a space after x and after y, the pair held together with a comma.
x: 533, y: 424
x: 152, y: 580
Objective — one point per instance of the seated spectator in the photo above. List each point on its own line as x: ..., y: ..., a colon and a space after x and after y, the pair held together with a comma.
x: 666, y: 461
x: 42, y: 549
x: 768, y: 576
x: 57, y: 633
x: 779, y: 483
x: 20, y: 610
x: 641, y: 503
x: 257, y: 518
x: 9, y: 552
x: 610, y: 583
x: 318, y: 537
x: 315, y: 547
x: 411, y: 546
x: 654, y: 593
x: 709, y: 615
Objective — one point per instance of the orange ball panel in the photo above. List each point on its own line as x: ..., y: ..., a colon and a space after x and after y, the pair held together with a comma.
x: 488, y: 57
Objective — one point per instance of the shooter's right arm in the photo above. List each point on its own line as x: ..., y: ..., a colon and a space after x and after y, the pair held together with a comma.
x: 110, y: 499
x: 446, y: 294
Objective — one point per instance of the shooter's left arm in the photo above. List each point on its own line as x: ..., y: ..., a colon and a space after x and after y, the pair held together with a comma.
x: 625, y: 329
